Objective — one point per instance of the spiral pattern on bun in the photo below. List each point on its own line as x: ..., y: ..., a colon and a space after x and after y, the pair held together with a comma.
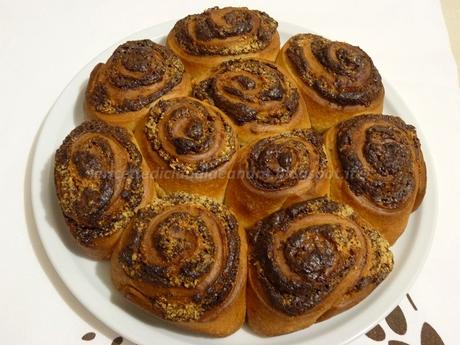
x: 225, y: 31
x: 288, y: 167
x: 136, y: 75
x: 378, y: 157
x: 254, y: 94
x: 342, y: 73
x: 250, y: 90
x: 299, y: 262
x: 190, y: 136
x: 181, y: 259
x: 190, y: 144
x: 337, y: 79
x: 100, y: 181
x: 286, y: 160
x: 304, y: 259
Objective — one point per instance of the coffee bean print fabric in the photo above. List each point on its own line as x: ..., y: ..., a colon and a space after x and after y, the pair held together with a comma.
x: 404, y: 325
x: 90, y: 338
x: 397, y: 321
x: 117, y: 341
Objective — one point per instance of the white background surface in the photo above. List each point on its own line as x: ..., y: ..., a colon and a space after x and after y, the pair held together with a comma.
x: 44, y: 44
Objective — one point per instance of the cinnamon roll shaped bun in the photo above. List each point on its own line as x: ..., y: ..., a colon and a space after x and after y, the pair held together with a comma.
x: 259, y: 98
x: 122, y: 90
x: 184, y: 260
x: 378, y: 170
x: 277, y: 171
x: 101, y: 179
x: 337, y: 80
x: 190, y: 145
x: 309, y: 259
x: 219, y: 34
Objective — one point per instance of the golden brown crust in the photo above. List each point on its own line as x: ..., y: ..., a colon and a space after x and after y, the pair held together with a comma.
x: 277, y: 171
x: 138, y: 73
x: 259, y: 98
x: 219, y: 34
x: 337, y: 80
x: 304, y: 259
x: 378, y: 169
x: 190, y: 145
x: 379, y: 264
x: 101, y: 179
x: 184, y: 260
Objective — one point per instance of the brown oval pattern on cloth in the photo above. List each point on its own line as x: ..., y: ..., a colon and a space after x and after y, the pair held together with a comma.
x: 429, y: 336
x: 397, y: 321
x: 377, y: 333
x: 88, y: 336
x: 117, y: 341
x: 396, y: 342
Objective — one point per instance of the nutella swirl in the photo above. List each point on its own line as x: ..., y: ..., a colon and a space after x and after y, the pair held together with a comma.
x: 190, y: 136
x: 137, y: 74
x: 337, y: 71
x: 291, y: 159
x: 250, y: 91
x: 380, y: 157
x: 99, y: 182
x: 226, y: 31
x: 186, y: 249
x: 302, y: 253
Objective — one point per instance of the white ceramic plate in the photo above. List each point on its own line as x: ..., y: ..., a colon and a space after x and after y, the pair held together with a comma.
x: 90, y: 281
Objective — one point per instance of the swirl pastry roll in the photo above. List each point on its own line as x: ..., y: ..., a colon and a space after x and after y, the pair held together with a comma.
x: 122, y: 90
x: 101, y: 179
x: 337, y: 80
x: 219, y: 34
x: 190, y: 145
x: 309, y: 259
x: 277, y: 171
x: 259, y: 98
x: 378, y: 170
x: 184, y: 260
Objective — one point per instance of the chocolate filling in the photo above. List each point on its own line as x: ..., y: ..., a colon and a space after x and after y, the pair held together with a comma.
x: 197, y: 33
x: 355, y: 80
x: 85, y: 180
x: 241, y: 88
x: 387, y: 174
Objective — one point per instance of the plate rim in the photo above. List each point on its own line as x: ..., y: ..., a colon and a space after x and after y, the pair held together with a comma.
x: 161, y: 29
